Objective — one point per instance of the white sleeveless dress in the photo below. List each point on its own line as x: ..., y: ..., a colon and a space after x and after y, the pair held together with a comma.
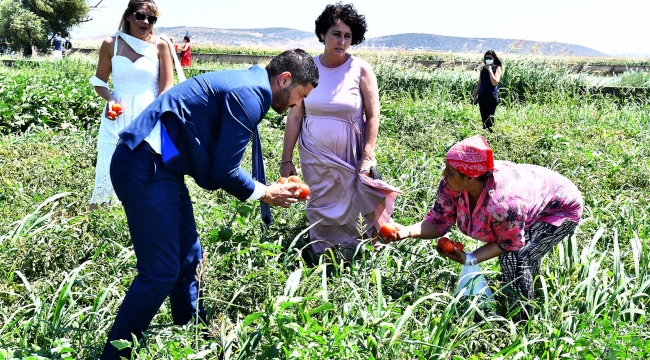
x: 135, y: 86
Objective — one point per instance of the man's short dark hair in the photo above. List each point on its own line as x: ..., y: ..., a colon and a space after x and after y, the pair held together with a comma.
x: 346, y: 13
x: 299, y: 63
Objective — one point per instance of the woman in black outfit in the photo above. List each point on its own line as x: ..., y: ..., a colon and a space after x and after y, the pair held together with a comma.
x: 487, y: 89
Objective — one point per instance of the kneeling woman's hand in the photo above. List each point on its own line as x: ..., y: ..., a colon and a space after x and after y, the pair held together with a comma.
x: 458, y: 256
x: 402, y: 232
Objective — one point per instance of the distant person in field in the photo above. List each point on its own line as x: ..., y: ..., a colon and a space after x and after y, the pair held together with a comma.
x: 142, y: 67
x: 199, y: 128
x: 486, y: 94
x: 521, y: 211
x: 186, y: 52
x: 58, y: 43
x: 336, y: 129
x: 67, y: 46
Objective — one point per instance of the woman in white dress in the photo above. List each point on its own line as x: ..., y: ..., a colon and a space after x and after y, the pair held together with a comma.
x: 142, y: 68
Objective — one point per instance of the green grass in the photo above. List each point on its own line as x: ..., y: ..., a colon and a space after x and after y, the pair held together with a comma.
x: 65, y: 270
x: 633, y: 78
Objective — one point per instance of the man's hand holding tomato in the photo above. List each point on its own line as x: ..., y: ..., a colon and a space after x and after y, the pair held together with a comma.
x: 283, y: 195
x: 286, y: 191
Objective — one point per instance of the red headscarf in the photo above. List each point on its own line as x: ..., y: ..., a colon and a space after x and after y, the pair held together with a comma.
x: 471, y: 157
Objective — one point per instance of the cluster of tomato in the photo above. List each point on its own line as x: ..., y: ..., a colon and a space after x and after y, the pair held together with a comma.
x: 448, y: 246
x: 115, y: 109
x: 304, y: 189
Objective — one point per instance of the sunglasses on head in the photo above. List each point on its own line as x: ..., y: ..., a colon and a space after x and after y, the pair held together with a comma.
x: 140, y: 16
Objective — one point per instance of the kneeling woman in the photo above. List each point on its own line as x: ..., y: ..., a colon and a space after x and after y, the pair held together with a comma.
x: 521, y: 211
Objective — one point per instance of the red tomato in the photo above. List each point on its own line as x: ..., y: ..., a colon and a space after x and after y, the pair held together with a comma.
x: 117, y: 107
x: 282, y: 180
x: 112, y: 115
x: 460, y: 246
x: 449, y: 247
x: 387, y: 230
x: 442, y: 241
x: 295, y: 179
x: 304, y: 191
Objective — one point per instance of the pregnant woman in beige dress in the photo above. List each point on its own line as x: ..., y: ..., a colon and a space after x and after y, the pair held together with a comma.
x: 336, y: 130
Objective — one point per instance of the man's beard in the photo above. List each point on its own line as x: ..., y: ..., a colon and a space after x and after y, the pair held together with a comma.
x: 280, y: 101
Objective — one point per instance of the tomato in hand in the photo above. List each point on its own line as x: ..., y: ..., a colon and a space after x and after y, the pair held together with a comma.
x: 387, y: 230
x: 112, y: 115
x: 304, y: 191
x: 117, y: 107
x: 295, y: 179
x: 282, y: 180
x: 460, y: 247
x: 442, y: 241
x: 449, y: 247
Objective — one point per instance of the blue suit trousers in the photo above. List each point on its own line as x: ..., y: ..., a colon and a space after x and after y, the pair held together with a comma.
x: 166, y: 244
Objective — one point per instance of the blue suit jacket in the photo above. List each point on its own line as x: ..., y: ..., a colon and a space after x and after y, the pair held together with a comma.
x: 209, y: 120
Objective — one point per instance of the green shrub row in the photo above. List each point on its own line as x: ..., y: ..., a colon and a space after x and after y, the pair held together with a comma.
x: 55, y: 94
x: 58, y: 94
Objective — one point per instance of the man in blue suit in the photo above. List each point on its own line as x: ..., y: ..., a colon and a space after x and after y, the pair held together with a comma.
x: 200, y: 128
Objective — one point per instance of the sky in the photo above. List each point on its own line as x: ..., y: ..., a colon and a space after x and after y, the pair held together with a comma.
x: 615, y: 27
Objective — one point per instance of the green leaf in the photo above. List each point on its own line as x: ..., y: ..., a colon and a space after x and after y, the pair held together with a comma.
x: 244, y: 210
x: 322, y: 308
x: 251, y: 318
x: 121, y: 344
x: 225, y: 234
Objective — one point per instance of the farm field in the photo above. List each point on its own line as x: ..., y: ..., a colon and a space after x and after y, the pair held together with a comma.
x: 64, y: 270
x: 470, y: 55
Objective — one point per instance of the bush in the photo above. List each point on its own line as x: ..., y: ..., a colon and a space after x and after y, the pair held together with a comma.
x: 52, y: 94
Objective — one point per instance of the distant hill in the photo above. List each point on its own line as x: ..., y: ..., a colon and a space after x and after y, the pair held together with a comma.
x: 429, y: 42
x: 287, y: 38
x: 269, y: 37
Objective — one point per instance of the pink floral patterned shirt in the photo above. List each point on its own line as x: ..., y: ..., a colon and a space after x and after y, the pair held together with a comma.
x: 514, y: 197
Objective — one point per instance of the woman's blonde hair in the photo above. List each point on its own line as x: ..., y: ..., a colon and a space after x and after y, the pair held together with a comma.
x: 125, y: 26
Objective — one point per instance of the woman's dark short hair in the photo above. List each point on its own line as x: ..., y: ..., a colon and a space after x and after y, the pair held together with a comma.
x: 186, y: 38
x: 497, y: 62
x: 346, y: 13
x: 299, y: 63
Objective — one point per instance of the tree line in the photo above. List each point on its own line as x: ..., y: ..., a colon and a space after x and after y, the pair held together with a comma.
x: 31, y: 24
